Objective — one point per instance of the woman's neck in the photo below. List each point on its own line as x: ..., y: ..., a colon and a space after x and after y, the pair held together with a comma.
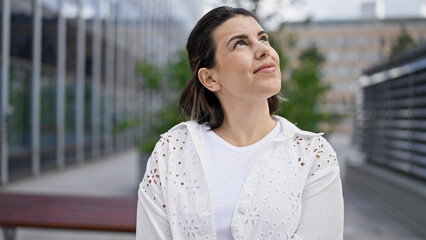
x: 245, y: 123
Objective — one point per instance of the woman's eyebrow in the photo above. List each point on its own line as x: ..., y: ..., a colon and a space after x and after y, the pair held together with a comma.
x: 243, y: 36
x: 240, y: 36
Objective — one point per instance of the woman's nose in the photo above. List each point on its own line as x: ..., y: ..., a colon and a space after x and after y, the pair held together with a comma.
x: 262, y: 50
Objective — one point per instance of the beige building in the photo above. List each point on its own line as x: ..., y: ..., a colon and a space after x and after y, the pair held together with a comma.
x: 349, y: 46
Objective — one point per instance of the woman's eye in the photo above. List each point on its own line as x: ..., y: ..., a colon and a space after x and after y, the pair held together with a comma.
x: 239, y: 43
x: 264, y: 38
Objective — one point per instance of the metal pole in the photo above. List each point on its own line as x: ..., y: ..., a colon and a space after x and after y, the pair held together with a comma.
x: 139, y: 91
x: 150, y: 35
x: 148, y: 56
x: 168, y: 51
x: 109, y: 79
x: 81, y: 50
x: 60, y: 89
x: 132, y: 96
x: 35, y: 90
x: 119, y: 80
x: 125, y: 47
x: 4, y: 101
x: 96, y: 72
x: 129, y: 50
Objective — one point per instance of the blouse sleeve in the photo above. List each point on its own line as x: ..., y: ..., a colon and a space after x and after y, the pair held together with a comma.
x: 152, y: 221
x: 322, y: 199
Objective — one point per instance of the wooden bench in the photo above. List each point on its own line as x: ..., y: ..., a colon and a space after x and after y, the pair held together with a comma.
x: 66, y: 212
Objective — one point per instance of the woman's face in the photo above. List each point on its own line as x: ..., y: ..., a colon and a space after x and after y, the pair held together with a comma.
x: 247, y: 67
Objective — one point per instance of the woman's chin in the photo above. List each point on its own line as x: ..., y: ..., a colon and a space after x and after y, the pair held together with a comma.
x: 274, y: 87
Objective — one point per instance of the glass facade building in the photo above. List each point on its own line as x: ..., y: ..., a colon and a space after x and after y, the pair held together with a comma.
x: 68, y: 76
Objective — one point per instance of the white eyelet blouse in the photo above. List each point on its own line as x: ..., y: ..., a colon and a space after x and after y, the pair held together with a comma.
x: 293, y: 190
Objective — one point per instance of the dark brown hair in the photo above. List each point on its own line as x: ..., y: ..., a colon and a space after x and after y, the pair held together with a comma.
x: 196, y: 101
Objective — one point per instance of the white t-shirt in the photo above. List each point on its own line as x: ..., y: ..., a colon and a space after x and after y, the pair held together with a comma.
x: 228, y: 167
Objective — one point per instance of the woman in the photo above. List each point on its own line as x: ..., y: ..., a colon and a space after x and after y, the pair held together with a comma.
x: 236, y: 171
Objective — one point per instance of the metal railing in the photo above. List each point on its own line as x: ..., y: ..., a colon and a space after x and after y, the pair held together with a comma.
x: 392, y: 117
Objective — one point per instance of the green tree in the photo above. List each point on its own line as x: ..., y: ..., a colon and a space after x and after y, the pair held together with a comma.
x: 168, y: 116
x: 403, y: 42
x: 152, y: 74
x: 303, y: 90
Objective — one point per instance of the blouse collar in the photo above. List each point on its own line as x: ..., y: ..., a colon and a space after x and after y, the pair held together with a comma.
x: 288, y: 130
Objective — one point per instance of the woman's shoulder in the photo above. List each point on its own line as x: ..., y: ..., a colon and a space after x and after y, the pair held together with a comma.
x: 293, y: 130
x: 305, y: 140
x: 182, y: 132
x: 321, y: 153
x: 180, y: 128
x: 174, y: 141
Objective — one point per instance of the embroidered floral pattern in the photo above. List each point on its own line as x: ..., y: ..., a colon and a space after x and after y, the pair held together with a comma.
x: 323, y: 156
x: 294, y: 200
x: 253, y: 216
x: 153, y: 177
x: 192, y: 187
x: 190, y: 229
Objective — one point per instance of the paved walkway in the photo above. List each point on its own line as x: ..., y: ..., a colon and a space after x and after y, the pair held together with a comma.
x: 111, y: 176
x: 363, y: 220
x: 118, y: 176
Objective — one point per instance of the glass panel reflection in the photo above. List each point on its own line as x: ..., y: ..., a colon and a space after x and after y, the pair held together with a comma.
x: 21, y: 43
x: 49, y: 54
x: 70, y: 12
x: 131, y: 32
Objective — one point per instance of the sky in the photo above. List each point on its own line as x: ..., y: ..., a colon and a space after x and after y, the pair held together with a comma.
x: 336, y: 9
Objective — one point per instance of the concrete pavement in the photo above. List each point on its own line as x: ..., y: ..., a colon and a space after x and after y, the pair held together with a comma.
x: 363, y: 219
x: 118, y: 176
x: 108, y: 176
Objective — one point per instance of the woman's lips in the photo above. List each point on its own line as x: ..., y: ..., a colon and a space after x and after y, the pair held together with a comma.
x: 267, y: 67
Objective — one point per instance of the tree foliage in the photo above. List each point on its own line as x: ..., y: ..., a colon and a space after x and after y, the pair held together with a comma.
x: 303, y: 91
x: 151, y: 74
x: 403, y: 42
x: 168, y: 116
x: 180, y: 71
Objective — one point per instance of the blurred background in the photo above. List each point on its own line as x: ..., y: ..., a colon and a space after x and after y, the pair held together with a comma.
x: 87, y: 86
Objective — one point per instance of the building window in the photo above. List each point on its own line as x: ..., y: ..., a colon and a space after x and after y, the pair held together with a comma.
x: 48, y: 78
x: 21, y: 44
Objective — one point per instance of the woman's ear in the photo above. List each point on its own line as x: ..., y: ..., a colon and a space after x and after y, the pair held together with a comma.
x: 209, y: 80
